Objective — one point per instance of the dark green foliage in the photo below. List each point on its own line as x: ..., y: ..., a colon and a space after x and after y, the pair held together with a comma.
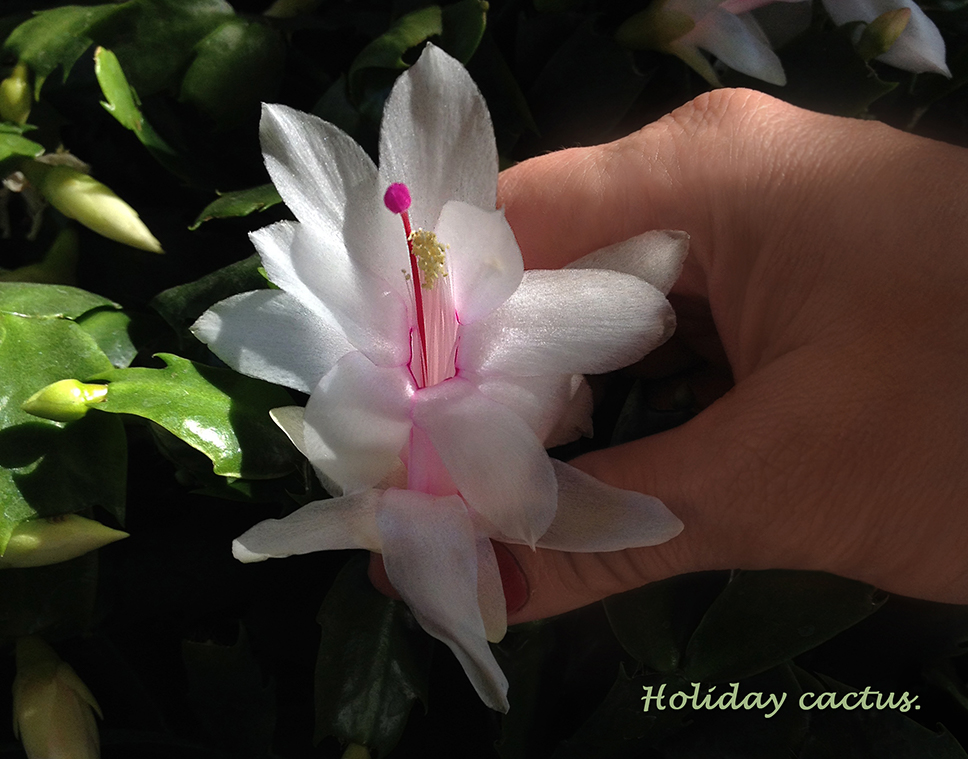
x: 192, y: 654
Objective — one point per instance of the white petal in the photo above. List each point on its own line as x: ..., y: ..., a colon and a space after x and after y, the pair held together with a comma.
x: 540, y: 401
x: 437, y: 138
x: 738, y: 42
x: 274, y: 243
x: 484, y: 261
x: 330, y: 183
x: 920, y: 48
x: 490, y: 591
x: 314, y: 165
x: 357, y: 421
x: 332, y: 525
x: 497, y: 463
x: 655, y: 256
x: 568, y: 322
x: 325, y: 280
x: 576, y: 419
x: 593, y: 516
x: 291, y: 420
x: 431, y: 559
x: 244, y: 331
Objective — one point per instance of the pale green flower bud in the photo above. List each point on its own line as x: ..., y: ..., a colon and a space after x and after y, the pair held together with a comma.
x: 653, y: 28
x: 39, y: 542
x: 81, y: 197
x: 53, y: 710
x: 880, y: 34
x: 15, y: 99
x: 65, y: 400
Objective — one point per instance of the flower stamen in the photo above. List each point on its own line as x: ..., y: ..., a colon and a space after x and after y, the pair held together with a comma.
x: 430, y: 254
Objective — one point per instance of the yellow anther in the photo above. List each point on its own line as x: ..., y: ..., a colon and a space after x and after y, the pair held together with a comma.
x: 429, y: 254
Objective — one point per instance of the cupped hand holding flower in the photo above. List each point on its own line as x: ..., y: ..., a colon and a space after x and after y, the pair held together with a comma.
x: 437, y: 367
x: 826, y: 292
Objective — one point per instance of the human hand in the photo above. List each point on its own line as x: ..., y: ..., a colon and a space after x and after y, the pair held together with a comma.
x: 829, y: 268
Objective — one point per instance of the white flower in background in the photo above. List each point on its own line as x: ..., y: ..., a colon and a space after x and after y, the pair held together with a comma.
x: 684, y: 28
x: 920, y: 47
x: 53, y: 710
x: 727, y: 29
x: 437, y: 367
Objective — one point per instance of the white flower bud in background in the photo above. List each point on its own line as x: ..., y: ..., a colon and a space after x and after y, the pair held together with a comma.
x: 81, y: 197
x: 64, y: 400
x: 15, y: 99
x: 39, y: 542
x: 53, y: 710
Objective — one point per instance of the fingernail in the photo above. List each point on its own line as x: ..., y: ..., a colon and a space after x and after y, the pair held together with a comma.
x: 513, y: 579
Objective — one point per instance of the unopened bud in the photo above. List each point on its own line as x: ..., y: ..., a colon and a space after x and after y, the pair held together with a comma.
x: 15, y: 98
x: 654, y: 28
x: 53, y: 710
x: 356, y: 751
x: 880, y: 34
x: 51, y: 540
x: 65, y: 400
x: 81, y: 197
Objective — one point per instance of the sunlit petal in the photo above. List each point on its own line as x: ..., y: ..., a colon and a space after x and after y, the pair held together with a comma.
x: 485, y: 264
x: 317, y: 271
x: 370, y: 311
x: 331, y: 185
x: 437, y: 138
x: 244, y: 332
x: 569, y: 322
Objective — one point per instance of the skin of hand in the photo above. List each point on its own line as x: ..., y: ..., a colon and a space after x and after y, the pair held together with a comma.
x: 828, y: 273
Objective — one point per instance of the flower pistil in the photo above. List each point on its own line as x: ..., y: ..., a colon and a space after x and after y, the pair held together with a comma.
x: 433, y: 300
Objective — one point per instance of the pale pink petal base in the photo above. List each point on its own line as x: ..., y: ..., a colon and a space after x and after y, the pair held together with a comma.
x: 494, y: 458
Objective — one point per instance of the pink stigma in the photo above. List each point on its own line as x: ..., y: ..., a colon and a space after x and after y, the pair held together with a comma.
x: 397, y: 197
